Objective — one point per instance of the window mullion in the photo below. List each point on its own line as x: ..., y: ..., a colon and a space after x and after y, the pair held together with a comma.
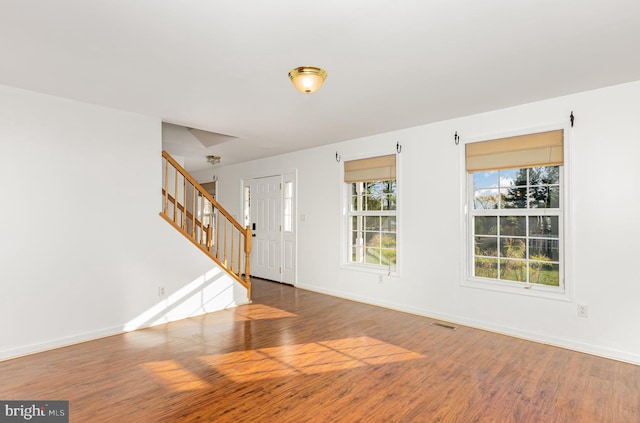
x: 360, y: 253
x: 526, y: 246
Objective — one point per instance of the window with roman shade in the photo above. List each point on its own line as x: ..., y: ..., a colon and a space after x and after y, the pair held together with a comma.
x: 516, y: 213
x: 372, y: 218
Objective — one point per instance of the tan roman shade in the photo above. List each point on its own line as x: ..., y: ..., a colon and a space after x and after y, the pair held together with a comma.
x: 531, y: 150
x: 381, y: 168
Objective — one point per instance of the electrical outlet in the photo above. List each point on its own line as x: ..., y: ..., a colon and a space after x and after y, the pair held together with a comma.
x: 583, y: 310
x: 161, y: 291
x: 379, y: 278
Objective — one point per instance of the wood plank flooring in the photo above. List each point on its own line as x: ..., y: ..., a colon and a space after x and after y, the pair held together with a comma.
x: 298, y: 356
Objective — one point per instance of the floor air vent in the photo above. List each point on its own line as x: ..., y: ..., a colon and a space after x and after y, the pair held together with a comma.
x: 444, y: 325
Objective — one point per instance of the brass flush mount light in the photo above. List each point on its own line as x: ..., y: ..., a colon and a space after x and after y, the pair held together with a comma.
x: 307, y: 79
x: 213, y: 160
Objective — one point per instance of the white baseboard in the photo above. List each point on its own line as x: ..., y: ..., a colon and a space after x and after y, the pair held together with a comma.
x: 52, y: 344
x: 504, y: 330
x: 591, y: 349
x: 58, y: 343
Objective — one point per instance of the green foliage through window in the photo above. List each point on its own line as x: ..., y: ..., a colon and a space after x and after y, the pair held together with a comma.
x: 373, y: 223
x: 516, y: 221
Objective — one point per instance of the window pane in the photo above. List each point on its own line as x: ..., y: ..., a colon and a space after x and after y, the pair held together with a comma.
x: 544, y: 197
x: 388, y: 257
x: 357, y: 254
x: 485, y: 180
x: 509, y: 178
x: 372, y: 202
x: 390, y: 202
x: 513, y: 247
x: 376, y: 188
x: 486, y: 268
x: 485, y: 199
x: 372, y: 255
x: 388, y: 240
x: 388, y: 223
x: 357, y: 243
x: 288, y: 224
x: 544, y: 273
x: 513, y: 198
x: 287, y: 214
x: 370, y: 187
x: 486, y: 246
x: 544, y: 226
x: 486, y: 225
x: 521, y: 177
x: 391, y: 186
x: 545, y: 175
x: 554, y: 197
x: 513, y: 225
x: 372, y: 239
x: 372, y: 223
x: 288, y: 189
x: 544, y: 249
x: 513, y: 270
x: 354, y: 203
x: 538, y: 197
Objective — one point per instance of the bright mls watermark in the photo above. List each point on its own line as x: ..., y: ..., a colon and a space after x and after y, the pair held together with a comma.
x: 34, y: 411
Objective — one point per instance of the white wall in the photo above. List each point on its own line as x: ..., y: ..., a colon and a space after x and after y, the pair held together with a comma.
x: 82, y: 247
x: 605, y: 146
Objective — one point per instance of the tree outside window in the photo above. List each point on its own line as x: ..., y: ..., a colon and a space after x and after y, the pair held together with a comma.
x: 515, y: 220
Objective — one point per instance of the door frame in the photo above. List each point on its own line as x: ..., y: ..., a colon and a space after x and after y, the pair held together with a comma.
x: 289, y: 264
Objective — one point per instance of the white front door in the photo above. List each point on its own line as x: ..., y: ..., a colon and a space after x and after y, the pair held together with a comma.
x: 266, y: 223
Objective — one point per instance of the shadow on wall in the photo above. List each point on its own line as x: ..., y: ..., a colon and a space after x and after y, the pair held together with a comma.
x: 209, y: 292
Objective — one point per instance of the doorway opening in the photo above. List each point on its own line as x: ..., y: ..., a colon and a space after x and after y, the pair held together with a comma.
x: 269, y: 208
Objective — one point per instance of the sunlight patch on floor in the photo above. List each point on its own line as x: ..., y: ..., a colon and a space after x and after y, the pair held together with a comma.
x: 260, y: 312
x: 174, y: 377
x: 248, y: 312
x: 303, y: 359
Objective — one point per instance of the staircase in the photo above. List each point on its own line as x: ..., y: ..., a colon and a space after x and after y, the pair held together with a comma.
x: 191, y: 210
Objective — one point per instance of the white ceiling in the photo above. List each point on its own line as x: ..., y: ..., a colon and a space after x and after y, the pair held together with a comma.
x: 221, y: 65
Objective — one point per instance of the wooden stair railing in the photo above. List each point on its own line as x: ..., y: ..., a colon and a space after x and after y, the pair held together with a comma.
x: 189, y: 208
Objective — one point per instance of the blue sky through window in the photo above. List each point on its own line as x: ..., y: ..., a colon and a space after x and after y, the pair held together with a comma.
x: 490, y: 179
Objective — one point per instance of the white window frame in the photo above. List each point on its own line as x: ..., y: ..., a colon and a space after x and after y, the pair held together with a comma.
x: 565, y: 291
x: 345, y: 238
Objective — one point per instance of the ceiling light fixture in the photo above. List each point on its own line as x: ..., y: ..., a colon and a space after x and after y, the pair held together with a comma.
x: 307, y: 79
x: 213, y: 160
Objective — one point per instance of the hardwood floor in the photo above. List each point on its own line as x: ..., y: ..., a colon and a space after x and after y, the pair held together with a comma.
x: 298, y: 356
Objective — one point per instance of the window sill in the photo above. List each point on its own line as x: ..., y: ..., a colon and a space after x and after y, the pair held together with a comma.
x: 532, y: 290
x: 376, y: 270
